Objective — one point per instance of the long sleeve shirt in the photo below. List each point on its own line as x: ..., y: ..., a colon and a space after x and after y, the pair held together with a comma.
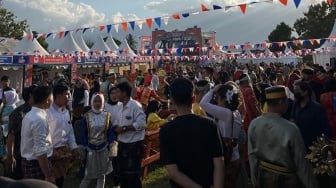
x: 224, y: 119
x: 35, y: 135
x: 275, y: 140
x: 60, y: 127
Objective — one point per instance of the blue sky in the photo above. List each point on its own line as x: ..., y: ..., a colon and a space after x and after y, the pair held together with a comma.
x: 232, y: 26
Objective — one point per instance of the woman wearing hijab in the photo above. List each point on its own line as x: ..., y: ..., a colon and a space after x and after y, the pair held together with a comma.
x: 9, y: 99
x: 96, y: 136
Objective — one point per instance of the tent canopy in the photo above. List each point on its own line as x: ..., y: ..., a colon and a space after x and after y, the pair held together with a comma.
x: 69, y: 44
x: 126, y: 50
x: 30, y: 45
x: 100, y: 45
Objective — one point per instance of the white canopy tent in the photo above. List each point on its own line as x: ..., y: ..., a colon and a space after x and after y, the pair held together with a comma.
x: 7, y: 44
x: 111, y: 43
x: 100, y: 45
x: 327, y: 50
x: 125, y: 50
x: 30, y: 45
x: 81, y: 43
x: 69, y: 44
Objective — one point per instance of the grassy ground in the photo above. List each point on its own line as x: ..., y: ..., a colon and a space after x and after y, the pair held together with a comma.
x: 156, y: 178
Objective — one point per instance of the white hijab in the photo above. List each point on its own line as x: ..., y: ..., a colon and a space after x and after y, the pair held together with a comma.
x: 11, y: 98
x: 102, y: 106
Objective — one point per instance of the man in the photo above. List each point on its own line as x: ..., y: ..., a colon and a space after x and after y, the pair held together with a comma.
x: 198, y: 160
x: 62, y: 134
x: 317, y: 88
x: 5, y: 82
x: 130, y: 129
x: 309, y: 115
x: 107, y: 84
x: 276, y: 149
x: 14, y: 133
x: 36, y: 145
x: 145, y: 93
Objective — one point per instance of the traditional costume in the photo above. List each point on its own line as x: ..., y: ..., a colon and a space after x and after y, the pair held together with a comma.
x: 277, y: 152
x: 96, y: 135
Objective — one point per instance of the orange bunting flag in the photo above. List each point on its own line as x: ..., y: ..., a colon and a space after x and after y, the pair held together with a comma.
x: 243, y: 8
x: 284, y: 2
x: 60, y: 34
x: 102, y: 27
x: 330, y: 2
x: 204, y: 8
x: 124, y: 26
x: 149, y: 22
x: 176, y: 16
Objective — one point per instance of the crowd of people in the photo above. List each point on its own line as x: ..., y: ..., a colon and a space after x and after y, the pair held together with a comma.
x: 224, y: 125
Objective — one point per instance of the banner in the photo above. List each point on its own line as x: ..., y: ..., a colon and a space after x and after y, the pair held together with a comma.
x: 6, y: 59
x: 21, y: 59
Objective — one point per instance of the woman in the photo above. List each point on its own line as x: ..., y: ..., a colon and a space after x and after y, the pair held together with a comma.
x: 9, y: 99
x: 80, y: 99
x: 114, y: 107
x: 229, y: 123
x: 96, y: 136
x: 328, y: 101
x: 154, y: 121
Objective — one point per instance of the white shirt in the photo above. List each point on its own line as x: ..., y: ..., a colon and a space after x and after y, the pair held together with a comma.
x: 60, y: 127
x: 224, y: 123
x: 132, y: 114
x: 115, y: 111
x: 35, y: 135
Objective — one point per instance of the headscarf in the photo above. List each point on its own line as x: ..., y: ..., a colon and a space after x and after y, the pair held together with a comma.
x: 11, y: 97
x: 92, y: 99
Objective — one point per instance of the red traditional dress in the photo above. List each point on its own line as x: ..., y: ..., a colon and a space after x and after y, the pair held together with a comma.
x: 328, y: 101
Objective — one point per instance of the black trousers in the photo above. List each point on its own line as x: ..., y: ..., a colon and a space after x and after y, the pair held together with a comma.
x: 128, y: 166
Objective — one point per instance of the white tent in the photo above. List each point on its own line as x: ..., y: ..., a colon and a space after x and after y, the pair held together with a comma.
x: 125, y: 50
x: 100, y: 45
x: 30, y: 45
x: 327, y: 50
x: 69, y: 44
x: 7, y: 44
x: 81, y: 43
x: 111, y: 43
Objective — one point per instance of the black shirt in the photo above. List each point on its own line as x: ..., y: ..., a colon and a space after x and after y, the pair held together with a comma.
x: 191, y: 142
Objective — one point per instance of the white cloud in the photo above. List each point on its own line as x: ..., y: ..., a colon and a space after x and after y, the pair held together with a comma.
x: 56, y: 14
x: 231, y: 26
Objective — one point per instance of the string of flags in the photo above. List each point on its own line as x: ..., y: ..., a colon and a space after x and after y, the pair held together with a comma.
x: 126, y: 26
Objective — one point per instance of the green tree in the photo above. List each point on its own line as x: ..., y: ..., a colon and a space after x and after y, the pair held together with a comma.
x: 131, y: 41
x: 317, y: 22
x: 9, y: 27
x: 282, y: 32
x: 41, y: 40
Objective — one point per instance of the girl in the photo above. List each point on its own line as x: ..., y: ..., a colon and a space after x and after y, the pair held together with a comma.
x: 229, y: 123
x: 96, y: 136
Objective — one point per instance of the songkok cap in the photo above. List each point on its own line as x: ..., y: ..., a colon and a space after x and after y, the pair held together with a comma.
x: 308, y: 70
x: 275, y: 92
x: 244, y: 77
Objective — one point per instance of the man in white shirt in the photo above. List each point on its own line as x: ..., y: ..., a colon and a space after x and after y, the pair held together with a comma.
x: 62, y: 134
x: 130, y: 128
x: 36, y: 144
